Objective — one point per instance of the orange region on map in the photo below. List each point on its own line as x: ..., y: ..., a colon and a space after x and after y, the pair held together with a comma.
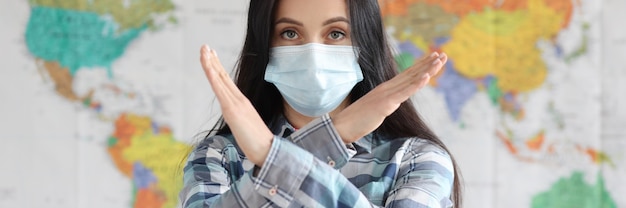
x: 149, y: 198
x: 536, y: 142
x: 566, y: 7
x: 119, y: 92
x: 126, y: 126
x: 593, y: 154
x: 512, y: 5
x: 508, y: 143
x: 596, y: 156
x: 462, y: 8
x: 139, y: 140
x: 61, y: 77
x: 509, y: 106
x: 116, y: 154
x: 124, y: 130
x: 63, y: 83
x: 512, y: 148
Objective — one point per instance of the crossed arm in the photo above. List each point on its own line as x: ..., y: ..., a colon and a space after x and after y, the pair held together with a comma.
x: 292, y: 175
x: 354, y: 122
x: 266, y: 151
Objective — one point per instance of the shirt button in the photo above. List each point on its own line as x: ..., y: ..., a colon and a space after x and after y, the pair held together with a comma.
x: 331, y: 163
x: 272, y: 191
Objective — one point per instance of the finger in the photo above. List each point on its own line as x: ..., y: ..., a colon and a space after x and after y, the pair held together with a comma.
x: 412, y: 88
x: 415, y: 67
x: 418, y: 69
x: 233, y: 90
x: 443, y: 58
x: 402, y: 93
x: 409, y: 86
x: 425, y: 58
x: 421, y: 62
x: 413, y: 74
x: 217, y: 84
x: 233, y: 102
x: 206, y: 61
x: 429, y: 67
x: 431, y: 56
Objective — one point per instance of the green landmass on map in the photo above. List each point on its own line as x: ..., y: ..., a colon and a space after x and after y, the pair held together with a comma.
x: 574, y: 192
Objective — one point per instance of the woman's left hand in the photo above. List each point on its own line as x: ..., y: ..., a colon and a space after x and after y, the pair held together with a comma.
x: 369, y: 112
x: 251, y: 133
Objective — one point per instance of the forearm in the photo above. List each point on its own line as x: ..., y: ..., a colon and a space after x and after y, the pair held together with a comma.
x: 214, y: 177
x: 321, y: 139
x: 292, y: 175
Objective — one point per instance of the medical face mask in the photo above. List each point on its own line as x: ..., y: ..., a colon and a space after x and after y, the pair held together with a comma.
x: 313, y: 78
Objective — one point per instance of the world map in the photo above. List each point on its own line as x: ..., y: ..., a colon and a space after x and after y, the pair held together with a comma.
x: 69, y: 36
x: 494, y: 49
x: 107, y: 97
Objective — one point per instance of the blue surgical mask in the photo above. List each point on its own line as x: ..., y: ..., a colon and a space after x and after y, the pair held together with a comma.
x: 314, y: 78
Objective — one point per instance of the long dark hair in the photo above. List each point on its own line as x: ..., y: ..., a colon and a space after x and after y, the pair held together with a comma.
x: 375, y: 59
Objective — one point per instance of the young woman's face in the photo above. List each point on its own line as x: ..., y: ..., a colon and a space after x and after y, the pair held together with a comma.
x: 311, y: 21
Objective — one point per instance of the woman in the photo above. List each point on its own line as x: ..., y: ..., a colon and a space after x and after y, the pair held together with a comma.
x: 318, y: 117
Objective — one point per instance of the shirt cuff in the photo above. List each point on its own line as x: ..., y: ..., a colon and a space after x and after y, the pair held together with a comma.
x: 321, y: 139
x: 283, y: 172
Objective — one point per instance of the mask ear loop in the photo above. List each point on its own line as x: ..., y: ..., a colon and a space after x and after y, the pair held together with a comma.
x: 357, y: 52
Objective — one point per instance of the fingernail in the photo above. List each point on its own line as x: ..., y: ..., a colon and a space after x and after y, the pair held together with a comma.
x: 433, y: 54
x: 443, y: 55
x: 208, y: 50
x: 437, y: 61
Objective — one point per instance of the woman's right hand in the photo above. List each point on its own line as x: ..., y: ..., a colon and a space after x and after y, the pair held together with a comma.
x: 249, y: 130
x: 368, y: 113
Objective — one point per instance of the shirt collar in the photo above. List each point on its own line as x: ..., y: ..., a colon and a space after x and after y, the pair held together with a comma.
x: 285, y: 129
x: 365, y: 143
x: 282, y: 127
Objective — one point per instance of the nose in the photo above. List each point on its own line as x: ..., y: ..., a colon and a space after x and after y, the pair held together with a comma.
x: 313, y: 38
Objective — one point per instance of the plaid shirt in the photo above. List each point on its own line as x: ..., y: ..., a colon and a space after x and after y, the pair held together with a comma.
x: 312, y: 167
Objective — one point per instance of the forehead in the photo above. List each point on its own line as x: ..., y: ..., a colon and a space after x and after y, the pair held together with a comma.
x: 311, y: 10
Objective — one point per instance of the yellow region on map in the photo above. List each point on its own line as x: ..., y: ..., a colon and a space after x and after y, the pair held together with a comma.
x: 160, y: 153
x: 504, y: 44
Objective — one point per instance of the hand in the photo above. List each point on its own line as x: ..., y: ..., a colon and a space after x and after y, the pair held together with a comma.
x: 368, y: 112
x: 249, y: 130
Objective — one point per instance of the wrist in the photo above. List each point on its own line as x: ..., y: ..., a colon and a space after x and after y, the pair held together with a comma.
x: 343, y: 129
x: 262, y: 151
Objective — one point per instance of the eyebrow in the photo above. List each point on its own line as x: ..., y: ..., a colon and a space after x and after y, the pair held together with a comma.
x: 336, y: 19
x: 289, y: 21
x: 327, y: 22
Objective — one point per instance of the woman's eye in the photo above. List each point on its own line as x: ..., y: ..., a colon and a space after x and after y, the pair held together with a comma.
x: 336, y: 35
x: 289, y: 35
